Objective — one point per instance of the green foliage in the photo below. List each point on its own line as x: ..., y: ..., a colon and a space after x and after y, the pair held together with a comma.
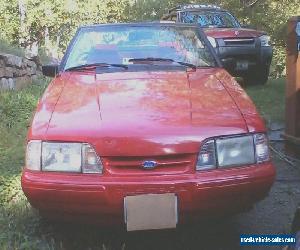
x: 15, y: 112
x: 267, y: 15
x: 272, y: 16
x: 278, y: 63
x: 16, y: 218
x: 16, y: 107
x: 9, y: 21
x: 273, y: 107
x: 53, y: 23
x: 5, y: 47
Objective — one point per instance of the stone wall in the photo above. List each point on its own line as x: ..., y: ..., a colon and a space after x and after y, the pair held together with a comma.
x: 16, y: 72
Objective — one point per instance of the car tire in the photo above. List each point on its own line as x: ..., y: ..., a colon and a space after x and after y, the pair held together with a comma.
x: 257, y: 77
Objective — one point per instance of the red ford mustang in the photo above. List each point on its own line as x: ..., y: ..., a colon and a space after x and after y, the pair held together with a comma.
x: 143, y: 127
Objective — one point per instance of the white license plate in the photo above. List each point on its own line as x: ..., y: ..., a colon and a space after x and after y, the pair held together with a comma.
x: 150, y: 211
x: 242, y: 65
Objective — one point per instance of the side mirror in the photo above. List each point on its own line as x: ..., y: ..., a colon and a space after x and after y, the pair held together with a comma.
x: 50, y: 70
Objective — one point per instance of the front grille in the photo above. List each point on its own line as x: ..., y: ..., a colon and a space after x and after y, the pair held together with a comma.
x: 239, y: 41
x: 166, y: 164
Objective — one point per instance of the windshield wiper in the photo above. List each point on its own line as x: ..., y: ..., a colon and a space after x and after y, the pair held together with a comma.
x: 190, y: 65
x: 151, y: 59
x: 158, y: 59
x: 94, y: 65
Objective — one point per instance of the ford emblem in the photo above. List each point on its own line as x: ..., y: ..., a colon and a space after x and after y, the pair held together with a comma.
x: 149, y: 164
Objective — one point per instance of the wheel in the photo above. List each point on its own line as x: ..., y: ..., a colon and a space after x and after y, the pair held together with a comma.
x: 257, y: 77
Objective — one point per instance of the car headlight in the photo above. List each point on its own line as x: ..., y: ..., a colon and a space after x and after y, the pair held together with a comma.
x: 212, y: 41
x: 265, y: 40
x: 233, y: 151
x: 62, y: 157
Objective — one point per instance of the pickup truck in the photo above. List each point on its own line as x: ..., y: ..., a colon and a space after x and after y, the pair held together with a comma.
x: 244, y: 52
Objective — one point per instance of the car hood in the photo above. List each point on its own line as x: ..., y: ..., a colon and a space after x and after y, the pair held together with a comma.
x: 232, y: 32
x: 133, y: 112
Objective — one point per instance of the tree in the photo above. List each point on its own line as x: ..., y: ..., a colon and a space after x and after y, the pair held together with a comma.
x: 50, y: 24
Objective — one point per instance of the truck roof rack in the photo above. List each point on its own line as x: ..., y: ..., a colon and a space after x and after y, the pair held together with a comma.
x: 194, y: 6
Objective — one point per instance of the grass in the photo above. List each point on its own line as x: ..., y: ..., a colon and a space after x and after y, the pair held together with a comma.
x: 15, y: 112
x: 20, y: 225
x: 269, y: 99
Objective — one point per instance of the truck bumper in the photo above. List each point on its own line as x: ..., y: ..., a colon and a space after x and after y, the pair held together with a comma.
x: 255, y: 57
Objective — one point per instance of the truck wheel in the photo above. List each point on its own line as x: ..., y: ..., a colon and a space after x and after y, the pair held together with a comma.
x: 257, y: 77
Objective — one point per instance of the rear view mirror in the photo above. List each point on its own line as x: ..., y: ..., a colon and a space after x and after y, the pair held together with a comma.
x: 50, y: 70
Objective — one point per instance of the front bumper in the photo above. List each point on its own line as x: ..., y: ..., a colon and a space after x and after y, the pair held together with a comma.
x: 256, y: 57
x: 99, y: 199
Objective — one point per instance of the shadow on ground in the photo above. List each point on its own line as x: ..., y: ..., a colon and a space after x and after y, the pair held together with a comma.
x: 221, y: 235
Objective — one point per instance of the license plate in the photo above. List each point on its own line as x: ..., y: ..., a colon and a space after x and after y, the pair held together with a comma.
x: 150, y: 211
x: 242, y: 65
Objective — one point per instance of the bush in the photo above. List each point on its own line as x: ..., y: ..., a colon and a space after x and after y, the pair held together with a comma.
x: 5, y: 47
x: 278, y: 68
x: 15, y: 111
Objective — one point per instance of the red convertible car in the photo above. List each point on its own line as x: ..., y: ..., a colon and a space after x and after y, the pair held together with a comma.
x: 142, y: 127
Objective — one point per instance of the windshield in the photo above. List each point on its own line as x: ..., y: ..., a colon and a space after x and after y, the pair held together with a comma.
x: 122, y: 44
x: 219, y: 19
